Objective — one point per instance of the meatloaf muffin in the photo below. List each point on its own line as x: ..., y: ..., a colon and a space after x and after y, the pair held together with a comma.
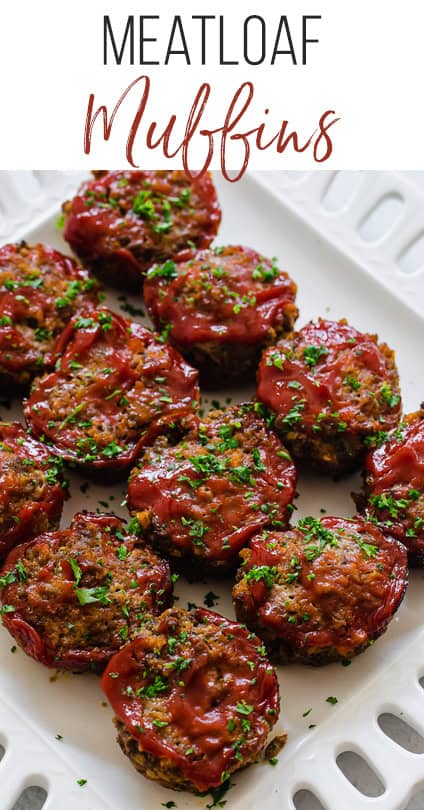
x: 200, y: 500
x: 394, y: 485
x: 221, y: 307
x: 40, y: 290
x: 72, y: 598
x: 120, y: 223
x: 322, y: 591
x: 115, y: 387
x: 194, y: 698
x: 332, y: 390
x: 32, y: 488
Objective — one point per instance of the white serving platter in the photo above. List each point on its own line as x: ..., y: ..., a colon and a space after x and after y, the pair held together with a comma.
x: 35, y: 707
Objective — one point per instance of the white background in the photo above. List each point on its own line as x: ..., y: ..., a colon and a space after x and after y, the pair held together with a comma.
x: 368, y: 67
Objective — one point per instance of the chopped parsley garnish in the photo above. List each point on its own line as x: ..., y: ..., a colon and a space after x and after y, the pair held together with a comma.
x: 388, y: 397
x: 7, y: 609
x: 312, y: 354
x: 167, y: 271
x: 85, y: 323
x: 352, y: 382
x: 7, y: 579
x: 126, y: 306
x: 294, y: 416
x: 257, y: 460
x: 87, y: 596
x: 71, y: 416
x: 165, y: 332
x: 21, y: 571
x: 73, y: 289
x: 243, y: 708
x: 210, y: 599
x: 242, y: 475
x: 376, y: 439
x: 218, y: 792
x: 53, y: 474
x: 111, y: 450
x: 316, y: 537
x: 166, y: 225
x: 197, y: 529
x: 263, y: 573
x: 266, y: 274
x: 154, y: 689
x: 76, y: 570
x: 134, y: 526
x: 183, y: 198
x: 395, y: 506
x: 113, y: 394
x: 229, y: 442
x: 208, y: 464
x: 143, y: 205
x: 105, y: 320
x: 294, y: 384
x: 123, y: 633
x: 368, y: 548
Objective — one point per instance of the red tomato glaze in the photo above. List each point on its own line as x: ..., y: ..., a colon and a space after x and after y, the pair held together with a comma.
x: 74, y: 596
x: 225, y: 679
x: 121, y: 222
x: 40, y: 290
x: 205, y: 496
x: 116, y: 386
x: 322, y: 590
x: 394, y: 479
x: 230, y: 294
x: 32, y: 488
x: 330, y: 386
